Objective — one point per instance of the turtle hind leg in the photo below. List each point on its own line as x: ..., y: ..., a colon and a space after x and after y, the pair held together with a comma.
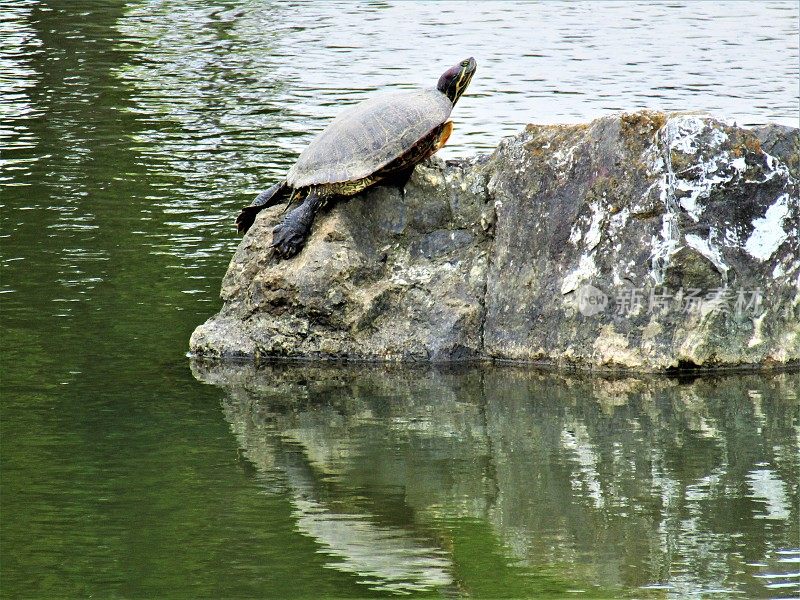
x: 399, y: 171
x: 398, y: 179
x: 265, y: 199
x: 289, y: 236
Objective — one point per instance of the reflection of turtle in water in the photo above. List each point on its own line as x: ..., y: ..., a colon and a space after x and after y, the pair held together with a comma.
x: 377, y: 141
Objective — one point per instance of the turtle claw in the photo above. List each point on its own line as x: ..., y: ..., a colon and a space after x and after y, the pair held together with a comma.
x: 289, y: 235
x: 286, y: 240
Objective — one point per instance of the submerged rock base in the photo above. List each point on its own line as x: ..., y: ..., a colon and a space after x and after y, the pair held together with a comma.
x: 646, y: 241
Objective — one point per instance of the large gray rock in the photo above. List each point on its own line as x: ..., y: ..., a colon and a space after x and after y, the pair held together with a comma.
x: 645, y: 241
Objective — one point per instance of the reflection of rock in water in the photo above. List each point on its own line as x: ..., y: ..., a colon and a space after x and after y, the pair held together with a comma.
x: 308, y: 448
x: 389, y: 557
x: 630, y: 481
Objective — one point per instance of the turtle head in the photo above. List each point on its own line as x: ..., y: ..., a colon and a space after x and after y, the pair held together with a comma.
x: 455, y: 80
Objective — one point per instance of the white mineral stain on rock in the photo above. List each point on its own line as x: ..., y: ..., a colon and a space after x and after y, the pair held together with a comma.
x: 732, y: 238
x: 682, y: 132
x: 664, y: 246
x: 619, y: 220
x: 768, y: 233
x: 758, y: 338
x: 739, y: 164
x: 562, y: 160
x: 593, y: 235
x: 708, y: 250
x: 586, y: 270
x: 776, y: 169
x: 696, y: 181
x: 416, y: 274
x: 575, y: 235
x: 694, y: 135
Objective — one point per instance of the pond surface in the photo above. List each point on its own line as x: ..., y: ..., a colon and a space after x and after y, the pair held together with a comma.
x: 131, y: 133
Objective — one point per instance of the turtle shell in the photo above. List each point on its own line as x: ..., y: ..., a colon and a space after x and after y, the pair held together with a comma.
x: 368, y: 136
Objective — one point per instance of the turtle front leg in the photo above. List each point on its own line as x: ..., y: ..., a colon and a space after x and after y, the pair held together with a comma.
x: 289, y: 236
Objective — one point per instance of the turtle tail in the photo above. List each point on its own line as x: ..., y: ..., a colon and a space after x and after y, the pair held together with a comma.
x: 265, y: 199
x: 246, y: 218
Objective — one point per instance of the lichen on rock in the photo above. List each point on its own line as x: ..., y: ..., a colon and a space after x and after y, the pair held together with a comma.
x: 643, y: 241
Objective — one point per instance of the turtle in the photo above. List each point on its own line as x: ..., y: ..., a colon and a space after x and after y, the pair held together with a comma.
x: 378, y: 141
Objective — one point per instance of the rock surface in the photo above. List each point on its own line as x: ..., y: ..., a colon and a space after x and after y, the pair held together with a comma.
x: 646, y: 241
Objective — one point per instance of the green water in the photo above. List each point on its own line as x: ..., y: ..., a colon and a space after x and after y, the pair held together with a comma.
x: 131, y: 133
